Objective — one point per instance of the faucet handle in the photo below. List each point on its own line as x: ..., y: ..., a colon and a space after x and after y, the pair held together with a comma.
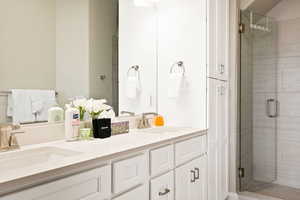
x: 13, y: 142
x: 5, y: 134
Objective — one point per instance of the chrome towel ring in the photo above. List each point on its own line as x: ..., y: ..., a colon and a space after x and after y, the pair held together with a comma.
x: 136, y: 69
x: 179, y: 65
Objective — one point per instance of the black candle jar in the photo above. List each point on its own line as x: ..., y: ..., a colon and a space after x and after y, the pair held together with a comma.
x: 102, y: 128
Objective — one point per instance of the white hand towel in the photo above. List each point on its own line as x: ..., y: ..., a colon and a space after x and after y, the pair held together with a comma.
x: 175, y: 84
x: 132, y: 87
x: 21, y: 107
x: 41, y: 101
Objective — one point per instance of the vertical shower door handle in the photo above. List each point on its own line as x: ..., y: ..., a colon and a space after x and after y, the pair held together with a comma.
x: 269, y: 103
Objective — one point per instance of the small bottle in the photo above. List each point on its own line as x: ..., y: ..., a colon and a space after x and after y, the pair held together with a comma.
x: 72, y: 123
x: 159, y: 121
x: 55, y: 114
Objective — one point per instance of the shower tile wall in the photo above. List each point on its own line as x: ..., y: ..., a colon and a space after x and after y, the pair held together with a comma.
x: 264, y: 87
x: 289, y: 97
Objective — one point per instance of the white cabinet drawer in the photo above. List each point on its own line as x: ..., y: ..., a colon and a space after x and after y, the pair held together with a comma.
x: 161, y: 160
x: 162, y: 188
x: 140, y: 193
x: 129, y: 173
x: 189, y: 149
x: 93, y: 184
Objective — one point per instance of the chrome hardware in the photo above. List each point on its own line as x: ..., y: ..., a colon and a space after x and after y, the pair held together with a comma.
x: 164, y: 192
x: 222, y: 69
x: 127, y: 112
x: 144, y: 122
x: 193, y: 178
x: 197, y: 176
x: 102, y: 77
x: 221, y: 90
x: 8, y: 140
x: 180, y: 65
x: 268, y: 110
x: 136, y: 69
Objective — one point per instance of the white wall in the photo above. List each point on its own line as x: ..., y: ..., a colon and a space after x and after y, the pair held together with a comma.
x: 288, y: 16
x: 182, y: 37
x: 103, y: 23
x: 137, y: 46
x: 155, y: 39
x: 72, y: 48
x: 27, y: 50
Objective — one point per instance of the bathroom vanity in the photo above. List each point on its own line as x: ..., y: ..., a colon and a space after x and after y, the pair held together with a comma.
x: 156, y: 163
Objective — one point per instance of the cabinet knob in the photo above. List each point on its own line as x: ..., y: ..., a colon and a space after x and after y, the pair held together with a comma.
x: 164, y: 192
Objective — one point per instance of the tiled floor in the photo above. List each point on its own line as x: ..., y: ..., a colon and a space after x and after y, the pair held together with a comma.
x: 281, y: 192
x: 255, y: 196
x: 271, y: 192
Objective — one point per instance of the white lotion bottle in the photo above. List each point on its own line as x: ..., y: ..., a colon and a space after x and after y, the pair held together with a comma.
x: 72, y: 123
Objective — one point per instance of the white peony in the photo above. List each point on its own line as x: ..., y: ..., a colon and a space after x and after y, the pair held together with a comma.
x: 80, y: 103
x: 96, y: 107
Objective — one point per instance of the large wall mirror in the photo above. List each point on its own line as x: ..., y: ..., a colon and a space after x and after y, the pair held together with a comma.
x: 118, y: 50
x: 70, y: 47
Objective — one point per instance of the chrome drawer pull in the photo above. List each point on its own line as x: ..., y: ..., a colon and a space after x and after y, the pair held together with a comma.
x: 193, y: 179
x: 197, y: 174
x: 165, y: 192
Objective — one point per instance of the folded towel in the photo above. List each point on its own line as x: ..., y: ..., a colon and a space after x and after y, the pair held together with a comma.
x: 132, y: 87
x: 175, y: 84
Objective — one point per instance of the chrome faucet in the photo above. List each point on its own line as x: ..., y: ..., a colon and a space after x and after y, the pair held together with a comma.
x: 8, y: 139
x: 144, y: 121
x: 127, y: 112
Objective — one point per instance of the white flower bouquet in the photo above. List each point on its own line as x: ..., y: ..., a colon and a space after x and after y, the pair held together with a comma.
x: 95, y: 107
x: 80, y: 104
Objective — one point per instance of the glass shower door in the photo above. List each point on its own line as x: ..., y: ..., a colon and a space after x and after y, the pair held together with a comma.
x: 258, y: 101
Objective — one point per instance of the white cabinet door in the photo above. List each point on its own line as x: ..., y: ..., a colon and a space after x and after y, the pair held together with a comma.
x: 218, y: 140
x: 218, y: 37
x: 162, y: 187
x: 90, y: 185
x: 199, y: 188
x: 191, y: 180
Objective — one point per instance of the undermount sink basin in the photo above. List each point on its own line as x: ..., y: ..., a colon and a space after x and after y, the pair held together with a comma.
x: 32, y: 157
x: 159, y: 130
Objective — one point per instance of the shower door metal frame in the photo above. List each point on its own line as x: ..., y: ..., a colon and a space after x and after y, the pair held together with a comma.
x: 241, y: 169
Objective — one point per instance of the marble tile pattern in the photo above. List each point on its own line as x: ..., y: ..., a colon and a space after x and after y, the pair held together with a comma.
x: 264, y: 88
x: 288, y: 161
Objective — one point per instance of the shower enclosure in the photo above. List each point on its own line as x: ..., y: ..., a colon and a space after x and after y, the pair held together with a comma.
x: 258, y: 101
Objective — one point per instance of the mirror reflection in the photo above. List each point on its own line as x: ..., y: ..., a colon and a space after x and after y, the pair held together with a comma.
x: 53, y: 52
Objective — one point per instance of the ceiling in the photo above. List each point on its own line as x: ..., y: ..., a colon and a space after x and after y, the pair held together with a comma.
x: 259, y: 6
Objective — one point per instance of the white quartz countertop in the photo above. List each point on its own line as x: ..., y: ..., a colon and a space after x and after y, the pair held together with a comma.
x: 89, y: 150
